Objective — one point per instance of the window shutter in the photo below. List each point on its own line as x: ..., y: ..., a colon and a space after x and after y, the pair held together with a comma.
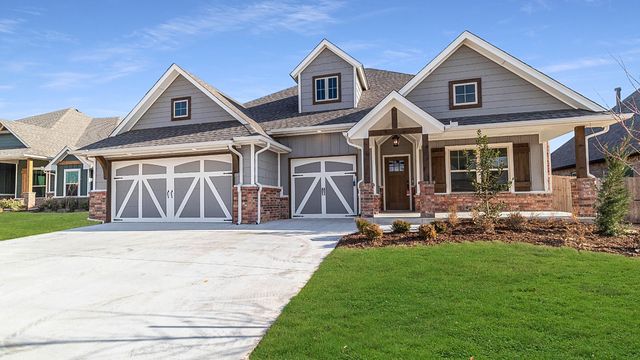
x: 438, y: 170
x: 522, y: 170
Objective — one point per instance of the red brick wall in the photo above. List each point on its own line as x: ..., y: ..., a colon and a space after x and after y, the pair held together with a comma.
x: 369, y: 201
x: 98, y: 205
x: 583, y: 196
x: 273, y: 206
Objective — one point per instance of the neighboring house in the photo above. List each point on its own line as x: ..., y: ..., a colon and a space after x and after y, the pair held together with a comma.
x: 563, y: 159
x: 344, y: 141
x: 35, y: 162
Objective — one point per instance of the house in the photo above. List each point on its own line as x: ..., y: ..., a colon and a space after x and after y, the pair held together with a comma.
x: 563, y: 158
x: 345, y: 140
x: 35, y: 158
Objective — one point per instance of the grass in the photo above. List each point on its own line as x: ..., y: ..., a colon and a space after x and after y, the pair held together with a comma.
x: 18, y: 224
x: 487, y: 300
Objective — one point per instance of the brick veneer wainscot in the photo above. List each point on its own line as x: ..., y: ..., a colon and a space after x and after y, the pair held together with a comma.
x: 273, y: 206
x: 584, y: 193
x: 369, y: 200
x: 98, y: 205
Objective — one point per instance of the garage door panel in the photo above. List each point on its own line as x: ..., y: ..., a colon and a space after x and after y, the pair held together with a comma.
x: 189, y: 167
x: 154, y: 198
x: 224, y: 187
x: 151, y: 169
x: 149, y: 208
x: 190, y: 203
x: 129, y: 170
x: 334, y: 166
x: 215, y: 165
x: 213, y: 208
x: 130, y: 200
x: 308, y: 195
x: 340, y: 194
x: 313, y: 167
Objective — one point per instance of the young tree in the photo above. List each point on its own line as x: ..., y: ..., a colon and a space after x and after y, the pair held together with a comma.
x: 485, y: 171
x: 613, y: 197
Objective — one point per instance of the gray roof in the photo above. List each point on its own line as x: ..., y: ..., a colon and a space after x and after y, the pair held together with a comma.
x: 565, y: 157
x: 280, y: 109
x: 500, y: 118
x: 170, y: 135
x: 47, y: 134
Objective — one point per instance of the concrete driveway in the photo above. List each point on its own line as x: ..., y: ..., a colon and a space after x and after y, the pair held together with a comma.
x: 180, y: 291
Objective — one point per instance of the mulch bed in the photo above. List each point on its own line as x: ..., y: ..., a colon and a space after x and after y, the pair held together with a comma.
x: 551, y: 232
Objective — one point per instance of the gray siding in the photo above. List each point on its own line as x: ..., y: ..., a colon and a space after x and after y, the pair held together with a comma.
x: 358, y: 91
x: 9, y: 141
x: 536, y: 154
x: 203, y: 109
x: 268, y: 168
x: 502, y: 90
x: 84, y: 179
x: 246, y: 162
x: 319, y: 145
x: 324, y: 64
x: 101, y: 183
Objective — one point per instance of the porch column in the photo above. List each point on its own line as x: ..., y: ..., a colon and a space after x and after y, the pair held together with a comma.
x: 580, y: 152
x: 426, y: 168
x: 367, y: 161
x: 29, y: 197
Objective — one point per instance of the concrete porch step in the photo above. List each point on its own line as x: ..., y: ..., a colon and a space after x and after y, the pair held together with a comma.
x: 388, y: 218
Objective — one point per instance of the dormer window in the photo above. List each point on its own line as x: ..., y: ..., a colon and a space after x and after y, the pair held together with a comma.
x: 465, y: 94
x: 326, y: 88
x: 181, y: 108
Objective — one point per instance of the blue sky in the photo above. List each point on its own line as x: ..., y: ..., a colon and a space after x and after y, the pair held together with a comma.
x: 102, y: 56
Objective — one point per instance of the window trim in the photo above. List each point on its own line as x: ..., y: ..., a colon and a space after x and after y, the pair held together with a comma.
x: 447, y: 161
x: 64, y: 182
x: 327, y: 101
x: 173, y: 108
x: 452, y: 96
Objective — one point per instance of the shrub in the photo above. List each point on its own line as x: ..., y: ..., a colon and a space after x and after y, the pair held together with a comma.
x: 453, y: 218
x: 515, y: 221
x: 13, y: 204
x: 440, y: 226
x: 400, y: 227
x: 373, y: 232
x: 361, y: 224
x: 67, y: 204
x: 613, y: 197
x: 427, y: 232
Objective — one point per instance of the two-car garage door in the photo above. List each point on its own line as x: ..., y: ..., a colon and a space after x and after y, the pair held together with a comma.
x: 192, y: 189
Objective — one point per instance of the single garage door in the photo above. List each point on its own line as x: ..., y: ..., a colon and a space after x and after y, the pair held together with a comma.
x: 192, y: 189
x: 323, y: 187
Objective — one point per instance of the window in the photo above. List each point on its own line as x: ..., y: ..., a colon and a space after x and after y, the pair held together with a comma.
x: 52, y: 182
x: 181, y: 108
x: 465, y: 94
x: 326, y: 88
x: 462, y: 165
x: 396, y: 166
x: 39, y: 183
x: 7, y: 179
x: 71, y: 182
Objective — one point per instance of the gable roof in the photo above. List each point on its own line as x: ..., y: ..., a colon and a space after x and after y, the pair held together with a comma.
x: 326, y: 44
x: 502, y: 58
x: 86, y: 164
x: 225, y: 102
x: 565, y: 157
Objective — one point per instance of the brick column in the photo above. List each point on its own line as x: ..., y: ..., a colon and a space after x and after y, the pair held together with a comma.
x: 272, y: 205
x: 583, y: 196
x: 29, y: 199
x: 98, y: 205
x: 426, y: 200
x: 369, y: 201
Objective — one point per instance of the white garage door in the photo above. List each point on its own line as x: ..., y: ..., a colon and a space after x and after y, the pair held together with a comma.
x: 192, y: 189
x: 323, y: 187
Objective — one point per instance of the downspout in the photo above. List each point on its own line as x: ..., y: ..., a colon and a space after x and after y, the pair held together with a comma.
x: 361, y: 167
x: 240, y: 181
x: 587, y: 138
x: 258, y: 178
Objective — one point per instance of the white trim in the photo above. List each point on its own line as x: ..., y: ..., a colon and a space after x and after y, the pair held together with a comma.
x: 299, y: 94
x: 545, y: 164
x: 361, y: 152
x: 86, y: 164
x: 253, y: 164
x: 355, y: 84
x: 260, y: 186
x: 240, y: 180
x: 447, y: 160
x: 535, y: 77
x: 326, y: 88
x: 394, y: 99
x: 475, y: 93
x: 384, y: 175
x: 310, y: 130
x: 326, y: 44
x: 4, y: 125
x: 64, y: 181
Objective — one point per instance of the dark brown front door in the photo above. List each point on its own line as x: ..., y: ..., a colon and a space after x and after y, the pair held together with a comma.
x: 396, y: 183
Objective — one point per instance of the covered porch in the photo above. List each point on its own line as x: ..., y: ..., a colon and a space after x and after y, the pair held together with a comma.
x: 26, y: 179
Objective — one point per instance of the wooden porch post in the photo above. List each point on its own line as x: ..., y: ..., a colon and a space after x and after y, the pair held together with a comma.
x: 367, y: 161
x: 426, y: 168
x: 29, y: 187
x: 106, y: 171
x: 581, y: 152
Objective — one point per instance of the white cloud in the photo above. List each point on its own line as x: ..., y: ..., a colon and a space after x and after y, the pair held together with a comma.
x: 577, y: 64
x: 533, y: 6
x: 5, y: 87
x: 9, y: 26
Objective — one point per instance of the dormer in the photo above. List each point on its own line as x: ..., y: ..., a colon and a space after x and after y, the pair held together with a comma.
x: 329, y: 79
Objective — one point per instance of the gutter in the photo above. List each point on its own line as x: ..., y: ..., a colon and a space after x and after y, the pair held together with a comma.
x: 240, y: 181
x: 361, y: 166
x: 258, y: 178
x: 587, y: 138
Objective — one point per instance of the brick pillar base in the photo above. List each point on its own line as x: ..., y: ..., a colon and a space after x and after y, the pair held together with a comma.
x: 98, y: 205
x: 583, y: 196
x: 272, y: 205
x: 425, y: 201
x: 29, y: 199
x: 369, y: 201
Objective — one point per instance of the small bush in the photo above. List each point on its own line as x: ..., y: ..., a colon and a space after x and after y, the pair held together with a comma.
x: 66, y: 204
x: 427, y: 232
x: 361, y: 224
x: 373, y: 232
x: 400, y: 227
x: 440, y: 226
x: 515, y: 221
x: 453, y: 218
x: 12, y: 204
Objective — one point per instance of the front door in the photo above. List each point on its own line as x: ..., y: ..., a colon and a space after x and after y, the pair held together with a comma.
x: 396, y: 183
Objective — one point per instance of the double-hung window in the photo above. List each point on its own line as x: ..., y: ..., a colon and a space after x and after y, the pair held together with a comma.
x: 462, y: 167
x: 181, y: 108
x: 71, y: 182
x: 326, y: 88
x: 464, y: 94
x: 39, y: 182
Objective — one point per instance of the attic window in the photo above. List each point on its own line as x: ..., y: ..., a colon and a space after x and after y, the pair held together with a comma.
x: 181, y: 108
x: 465, y: 94
x: 326, y: 88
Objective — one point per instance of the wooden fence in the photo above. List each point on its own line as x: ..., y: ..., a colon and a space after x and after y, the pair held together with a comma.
x: 561, y: 187
x: 633, y: 185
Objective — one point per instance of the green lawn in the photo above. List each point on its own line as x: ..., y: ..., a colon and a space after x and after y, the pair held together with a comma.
x: 487, y: 300
x: 18, y: 224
